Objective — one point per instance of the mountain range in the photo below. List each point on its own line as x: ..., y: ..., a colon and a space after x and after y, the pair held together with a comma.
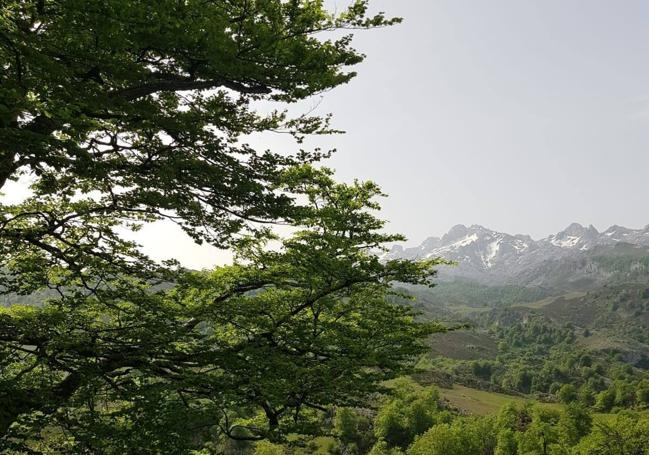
x: 576, y: 257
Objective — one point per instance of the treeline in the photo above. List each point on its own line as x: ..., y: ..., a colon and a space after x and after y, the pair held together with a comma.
x: 538, y: 358
x: 415, y: 421
x: 450, y: 294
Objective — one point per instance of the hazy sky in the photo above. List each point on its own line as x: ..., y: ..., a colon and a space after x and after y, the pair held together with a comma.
x: 519, y: 115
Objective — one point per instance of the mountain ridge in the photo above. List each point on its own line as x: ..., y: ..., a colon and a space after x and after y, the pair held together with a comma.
x: 486, y: 255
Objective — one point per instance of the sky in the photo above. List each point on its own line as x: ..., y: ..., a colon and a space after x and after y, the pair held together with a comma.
x: 522, y: 116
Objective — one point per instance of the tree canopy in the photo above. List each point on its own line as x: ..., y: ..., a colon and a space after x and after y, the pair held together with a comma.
x: 127, y: 111
x: 124, y: 112
x: 251, y: 351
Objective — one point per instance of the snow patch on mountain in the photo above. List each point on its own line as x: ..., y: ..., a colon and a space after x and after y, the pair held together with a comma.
x: 492, y: 252
x: 489, y: 255
x: 567, y: 242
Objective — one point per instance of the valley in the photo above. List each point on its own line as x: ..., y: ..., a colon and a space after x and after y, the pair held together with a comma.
x: 562, y: 319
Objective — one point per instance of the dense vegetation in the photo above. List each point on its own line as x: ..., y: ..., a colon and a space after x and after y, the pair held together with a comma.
x: 124, y: 112
x: 536, y: 358
x: 583, y: 347
x: 253, y: 351
x: 415, y: 421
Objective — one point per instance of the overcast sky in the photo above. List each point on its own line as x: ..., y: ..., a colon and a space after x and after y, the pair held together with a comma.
x: 519, y: 115
x: 522, y: 116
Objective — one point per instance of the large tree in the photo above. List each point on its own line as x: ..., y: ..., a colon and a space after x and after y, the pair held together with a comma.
x: 123, y: 112
x: 256, y: 350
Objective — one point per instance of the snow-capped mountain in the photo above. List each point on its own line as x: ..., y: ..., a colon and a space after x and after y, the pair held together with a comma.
x: 577, y: 236
x: 486, y: 255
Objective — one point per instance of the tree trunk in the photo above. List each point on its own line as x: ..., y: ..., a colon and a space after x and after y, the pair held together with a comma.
x: 7, y: 167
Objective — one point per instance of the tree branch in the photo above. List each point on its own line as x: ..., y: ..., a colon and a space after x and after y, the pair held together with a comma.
x: 174, y: 85
x: 7, y: 167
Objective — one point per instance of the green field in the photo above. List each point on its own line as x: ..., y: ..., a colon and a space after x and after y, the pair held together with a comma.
x: 480, y: 402
x: 475, y: 401
x: 463, y: 345
x: 548, y: 300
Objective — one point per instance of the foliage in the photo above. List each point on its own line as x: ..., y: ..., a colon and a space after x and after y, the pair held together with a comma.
x: 255, y: 350
x: 408, y: 414
x: 124, y: 112
x: 443, y: 439
x: 567, y: 393
x: 524, y: 428
x: 624, y: 434
x: 382, y: 448
x: 268, y: 448
x: 538, y: 356
x: 354, y: 429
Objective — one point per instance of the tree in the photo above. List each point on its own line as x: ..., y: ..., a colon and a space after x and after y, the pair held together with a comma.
x: 512, y: 418
x: 421, y: 413
x: 124, y: 112
x: 605, y: 400
x: 128, y: 111
x: 354, y: 429
x: 410, y: 412
x: 482, y: 369
x: 382, y: 448
x: 575, y: 423
x: 625, y: 434
x: 542, y: 434
x: 567, y: 393
x: 506, y: 443
x: 586, y: 395
x: 390, y: 426
x: 483, y: 432
x: 346, y: 424
x: 625, y: 393
x: 268, y: 448
x: 522, y: 380
x: 456, y: 438
x: 252, y: 351
x: 642, y: 392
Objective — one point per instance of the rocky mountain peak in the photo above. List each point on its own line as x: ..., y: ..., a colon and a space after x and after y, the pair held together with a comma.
x: 489, y: 255
x: 576, y: 236
x: 455, y: 233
